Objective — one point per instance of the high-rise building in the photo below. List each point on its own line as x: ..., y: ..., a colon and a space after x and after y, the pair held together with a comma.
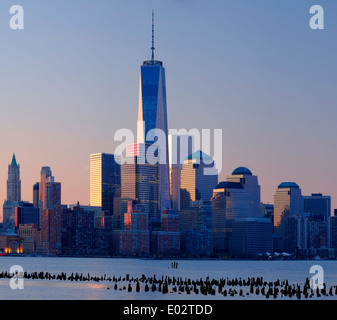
x: 196, y: 183
x: 252, y: 188
x: 251, y: 237
x: 195, y: 225
x: 289, y: 221
x: 50, y: 213
x: 332, y: 234
x: 14, y: 182
x: 140, y: 180
x: 288, y: 200
x: 229, y: 202
x: 105, y: 179
x: 78, y: 237
x: 135, y: 238
x: 13, y: 195
x: 167, y: 240
x: 317, y: 206
x: 36, y: 194
x: 152, y: 117
x: 180, y: 146
x: 26, y: 213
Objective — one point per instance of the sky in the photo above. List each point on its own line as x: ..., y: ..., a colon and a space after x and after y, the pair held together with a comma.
x: 254, y: 69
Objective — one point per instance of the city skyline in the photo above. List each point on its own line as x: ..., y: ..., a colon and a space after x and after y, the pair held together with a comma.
x: 291, y: 141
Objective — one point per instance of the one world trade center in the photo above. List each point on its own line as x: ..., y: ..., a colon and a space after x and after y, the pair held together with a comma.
x: 152, y: 117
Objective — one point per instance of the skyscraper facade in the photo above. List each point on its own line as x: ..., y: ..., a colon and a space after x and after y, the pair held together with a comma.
x: 13, y: 195
x: 229, y: 202
x: 195, y: 184
x: 180, y: 146
x: 288, y: 200
x: 318, y: 206
x: 289, y: 221
x: 135, y: 238
x: 50, y: 214
x: 14, y: 182
x: 140, y: 180
x: 105, y: 180
x: 250, y: 183
x: 152, y: 117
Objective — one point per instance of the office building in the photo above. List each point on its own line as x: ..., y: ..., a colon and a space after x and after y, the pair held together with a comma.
x: 251, y: 237
x: 252, y: 188
x: 135, y: 238
x: 290, y: 223
x: 140, y: 180
x: 36, y: 193
x: 229, y: 202
x: 26, y: 213
x: 196, y: 184
x: 195, y: 225
x: 180, y: 146
x: 317, y: 206
x: 288, y: 200
x: 152, y: 117
x: 167, y: 240
x: 105, y: 180
x: 50, y: 213
x: 78, y: 236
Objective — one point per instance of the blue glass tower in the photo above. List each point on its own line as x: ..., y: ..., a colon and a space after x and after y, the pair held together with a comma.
x: 152, y: 115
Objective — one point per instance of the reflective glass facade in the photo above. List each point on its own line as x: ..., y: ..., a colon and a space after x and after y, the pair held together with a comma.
x: 152, y: 114
x: 105, y: 179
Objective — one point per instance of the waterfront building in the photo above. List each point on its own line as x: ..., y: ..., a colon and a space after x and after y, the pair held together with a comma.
x: 78, y: 236
x: 167, y: 240
x: 332, y: 233
x: 28, y: 234
x: 195, y: 225
x: 251, y: 237
x: 135, y: 238
x: 229, y: 202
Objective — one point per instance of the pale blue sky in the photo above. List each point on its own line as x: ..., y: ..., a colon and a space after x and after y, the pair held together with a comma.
x: 255, y: 69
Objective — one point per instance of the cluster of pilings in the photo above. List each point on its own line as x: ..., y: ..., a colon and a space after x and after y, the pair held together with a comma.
x: 226, y: 287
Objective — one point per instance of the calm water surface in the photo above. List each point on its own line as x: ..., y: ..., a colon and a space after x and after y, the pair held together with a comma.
x: 294, y: 271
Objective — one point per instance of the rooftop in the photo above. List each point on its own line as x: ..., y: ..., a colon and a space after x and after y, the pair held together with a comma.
x: 242, y: 170
x: 284, y: 185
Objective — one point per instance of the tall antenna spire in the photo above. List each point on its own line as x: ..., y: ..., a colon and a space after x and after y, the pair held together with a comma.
x: 152, y: 48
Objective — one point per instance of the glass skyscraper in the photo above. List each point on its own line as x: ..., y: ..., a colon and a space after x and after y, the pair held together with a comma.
x: 152, y: 117
x: 105, y: 180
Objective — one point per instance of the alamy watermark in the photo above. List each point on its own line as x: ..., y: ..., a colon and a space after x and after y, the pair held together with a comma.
x: 17, y: 19
x: 317, y: 280
x: 182, y: 143
x: 16, y: 281
x: 317, y: 20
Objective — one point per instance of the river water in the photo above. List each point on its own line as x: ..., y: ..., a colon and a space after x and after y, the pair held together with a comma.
x: 294, y: 271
